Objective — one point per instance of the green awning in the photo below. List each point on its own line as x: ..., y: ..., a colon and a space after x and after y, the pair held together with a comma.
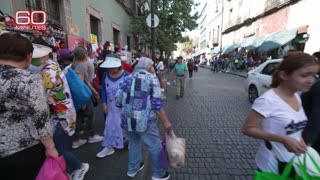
x: 199, y: 52
x: 256, y: 43
x: 231, y: 48
x: 278, y: 39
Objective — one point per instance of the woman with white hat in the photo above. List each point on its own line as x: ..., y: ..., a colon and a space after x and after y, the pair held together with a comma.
x: 113, y: 134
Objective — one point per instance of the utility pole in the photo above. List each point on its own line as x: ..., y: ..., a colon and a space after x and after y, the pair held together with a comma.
x: 152, y: 31
x: 221, y: 29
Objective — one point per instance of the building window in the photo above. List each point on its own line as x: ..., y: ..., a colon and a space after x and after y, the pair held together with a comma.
x: 94, y: 26
x: 129, y: 43
x: 50, y: 6
x: 116, y: 39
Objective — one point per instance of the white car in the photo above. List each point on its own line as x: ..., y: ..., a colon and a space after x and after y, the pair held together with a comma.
x: 259, y: 79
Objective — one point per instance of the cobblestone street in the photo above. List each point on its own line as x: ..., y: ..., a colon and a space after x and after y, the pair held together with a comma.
x: 209, y: 116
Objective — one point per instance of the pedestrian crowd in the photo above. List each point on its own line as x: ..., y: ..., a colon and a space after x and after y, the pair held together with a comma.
x: 47, y: 105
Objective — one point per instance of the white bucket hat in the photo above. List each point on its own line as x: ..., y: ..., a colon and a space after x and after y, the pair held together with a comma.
x: 40, y: 50
x: 111, y: 62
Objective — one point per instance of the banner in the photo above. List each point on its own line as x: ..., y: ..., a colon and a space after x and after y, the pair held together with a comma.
x: 74, y: 41
x: 93, y: 39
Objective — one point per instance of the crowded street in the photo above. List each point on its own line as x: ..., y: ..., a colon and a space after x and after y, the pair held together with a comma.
x: 209, y: 116
x: 159, y: 90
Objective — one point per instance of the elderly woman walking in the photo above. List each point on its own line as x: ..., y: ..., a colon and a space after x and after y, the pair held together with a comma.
x: 114, y: 136
x: 26, y: 134
x: 140, y: 99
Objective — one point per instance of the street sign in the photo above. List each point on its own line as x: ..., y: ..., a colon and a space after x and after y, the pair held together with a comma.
x: 156, y: 20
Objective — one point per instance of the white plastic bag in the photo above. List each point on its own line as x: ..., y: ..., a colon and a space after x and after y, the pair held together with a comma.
x: 176, y: 148
x: 308, y: 163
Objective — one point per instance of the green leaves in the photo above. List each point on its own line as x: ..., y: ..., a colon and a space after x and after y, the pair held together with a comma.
x: 175, y: 18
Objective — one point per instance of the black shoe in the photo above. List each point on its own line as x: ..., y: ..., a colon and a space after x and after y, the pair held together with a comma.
x: 181, y: 96
x: 177, y: 97
x: 165, y: 177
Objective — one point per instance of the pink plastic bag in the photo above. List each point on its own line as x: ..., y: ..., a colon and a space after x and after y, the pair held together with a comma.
x: 53, y: 169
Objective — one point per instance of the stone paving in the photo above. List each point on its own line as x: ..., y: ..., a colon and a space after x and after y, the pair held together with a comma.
x: 209, y: 116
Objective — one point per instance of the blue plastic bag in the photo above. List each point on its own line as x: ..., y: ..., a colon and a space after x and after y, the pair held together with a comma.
x: 80, y: 92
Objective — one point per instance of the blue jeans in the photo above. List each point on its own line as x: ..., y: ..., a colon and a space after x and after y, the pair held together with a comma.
x: 152, y: 141
x: 60, y: 139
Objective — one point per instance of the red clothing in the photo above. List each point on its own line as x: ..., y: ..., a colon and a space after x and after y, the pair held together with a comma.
x: 126, y: 67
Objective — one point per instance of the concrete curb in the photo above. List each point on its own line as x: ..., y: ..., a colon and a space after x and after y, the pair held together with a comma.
x: 232, y: 73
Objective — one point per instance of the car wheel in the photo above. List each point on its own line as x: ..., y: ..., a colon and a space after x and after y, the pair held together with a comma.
x: 253, y: 93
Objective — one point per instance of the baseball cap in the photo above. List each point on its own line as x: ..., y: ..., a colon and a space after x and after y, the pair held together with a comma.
x: 40, y: 50
x: 79, y: 52
x: 65, y: 54
x: 111, y: 62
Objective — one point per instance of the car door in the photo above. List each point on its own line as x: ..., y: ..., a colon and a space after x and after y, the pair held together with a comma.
x: 266, y: 76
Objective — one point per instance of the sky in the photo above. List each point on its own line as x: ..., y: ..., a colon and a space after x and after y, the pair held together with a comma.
x: 198, y: 8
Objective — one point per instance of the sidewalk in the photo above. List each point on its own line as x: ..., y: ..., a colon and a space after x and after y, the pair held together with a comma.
x: 240, y: 73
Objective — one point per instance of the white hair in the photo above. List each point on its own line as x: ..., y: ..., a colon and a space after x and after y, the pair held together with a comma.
x: 144, y: 63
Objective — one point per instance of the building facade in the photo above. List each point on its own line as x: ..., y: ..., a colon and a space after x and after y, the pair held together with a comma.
x: 252, y: 25
x: 94, y: 21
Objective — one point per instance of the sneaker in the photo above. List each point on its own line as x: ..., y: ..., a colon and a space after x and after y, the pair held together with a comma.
x: 80, y: 173
x: 95, y: 138
x: 105, y: 152
x: 135, y: 173
x: 165, y: 177
x: 78, y: 143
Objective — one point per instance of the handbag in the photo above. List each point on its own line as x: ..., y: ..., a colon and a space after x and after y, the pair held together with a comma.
x: 176, y: 148
x: 310, y: 168
x: 274, y: 176
x: 53, y: 169
x: 80, y: 92
x: 299, y: 167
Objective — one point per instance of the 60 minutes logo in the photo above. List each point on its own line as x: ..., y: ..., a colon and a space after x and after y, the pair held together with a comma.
x: 26, y: 20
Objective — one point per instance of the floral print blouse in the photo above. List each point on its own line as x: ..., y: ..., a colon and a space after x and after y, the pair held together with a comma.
x: 139, y: 97
x: 24, y: 112
x: 60, y: 101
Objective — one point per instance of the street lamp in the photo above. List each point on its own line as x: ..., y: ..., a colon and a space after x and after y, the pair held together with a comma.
x: 221, y: 27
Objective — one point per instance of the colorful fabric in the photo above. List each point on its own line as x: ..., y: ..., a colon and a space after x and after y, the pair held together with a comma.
x: 24, y: 112
x: 139, y: 97
x: 59, y: 97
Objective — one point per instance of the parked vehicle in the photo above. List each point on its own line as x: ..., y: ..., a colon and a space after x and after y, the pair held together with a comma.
x: 259, y: 79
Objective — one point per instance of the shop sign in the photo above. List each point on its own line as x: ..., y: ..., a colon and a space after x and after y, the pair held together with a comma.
x: 74, y: 29
x: 93, y: 39
x: 74, y: 41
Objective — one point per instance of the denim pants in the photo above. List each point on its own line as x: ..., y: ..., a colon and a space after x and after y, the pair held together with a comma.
x: 152, y: 141
x: 60, y: 139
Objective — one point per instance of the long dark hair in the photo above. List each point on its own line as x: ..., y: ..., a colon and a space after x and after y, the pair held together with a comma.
x: 291, y: 62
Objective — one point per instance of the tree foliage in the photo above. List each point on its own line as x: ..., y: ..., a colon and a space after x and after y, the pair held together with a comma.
x: 175, y: 18
x: 187, y: 44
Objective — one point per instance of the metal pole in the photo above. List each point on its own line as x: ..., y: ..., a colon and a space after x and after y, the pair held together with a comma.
x: 221, y: 28
x: 152, y: 31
